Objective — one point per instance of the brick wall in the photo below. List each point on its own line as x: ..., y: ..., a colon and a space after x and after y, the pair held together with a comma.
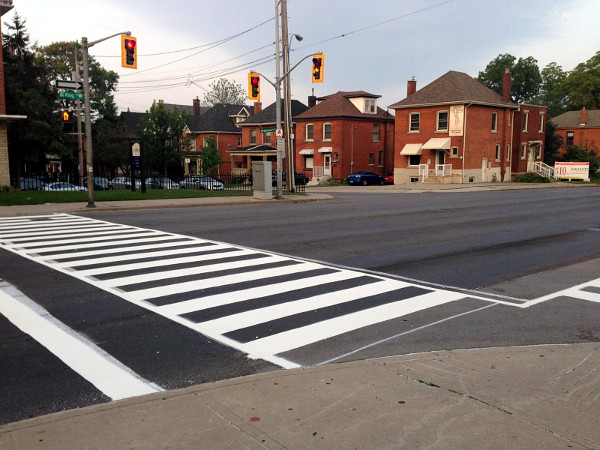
x: 224, y: 142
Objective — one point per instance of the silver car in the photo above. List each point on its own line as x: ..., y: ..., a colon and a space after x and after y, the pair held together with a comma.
x: 124, y: 183
x: 63, y: 186
x: 202, y: 182
x: 161, y: 183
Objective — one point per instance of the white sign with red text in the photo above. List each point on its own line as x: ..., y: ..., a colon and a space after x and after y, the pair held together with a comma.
x: 572, y: 171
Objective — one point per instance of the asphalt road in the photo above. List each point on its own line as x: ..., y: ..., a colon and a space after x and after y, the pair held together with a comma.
x: 516, y: 245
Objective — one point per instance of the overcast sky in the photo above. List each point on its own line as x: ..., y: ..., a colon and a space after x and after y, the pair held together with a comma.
x: 375, y: 46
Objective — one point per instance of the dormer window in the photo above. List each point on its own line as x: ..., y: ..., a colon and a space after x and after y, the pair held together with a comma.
x: 370, y: 106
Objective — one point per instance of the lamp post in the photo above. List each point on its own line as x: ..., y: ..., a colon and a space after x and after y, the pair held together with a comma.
x: 89, y: 160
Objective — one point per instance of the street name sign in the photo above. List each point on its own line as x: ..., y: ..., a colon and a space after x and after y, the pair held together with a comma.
x: 268, y: 130
x: 69, y: 84
x: 71, y: 95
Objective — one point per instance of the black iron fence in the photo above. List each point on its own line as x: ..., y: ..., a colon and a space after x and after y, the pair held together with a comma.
x: 72, y: 182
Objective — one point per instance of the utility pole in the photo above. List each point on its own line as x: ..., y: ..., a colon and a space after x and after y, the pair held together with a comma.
x: 278, y: 102
x: 79, y: 138
x: 287, y: 96
x: 89, y: 160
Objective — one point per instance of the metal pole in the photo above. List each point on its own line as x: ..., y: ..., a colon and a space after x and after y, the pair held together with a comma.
x: 88, y: 125
x: 287, y: 95
x: 278, y: 101
x: 79, y: 138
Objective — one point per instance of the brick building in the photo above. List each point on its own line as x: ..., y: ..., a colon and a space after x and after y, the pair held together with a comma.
x: 342, y: 133
x: 580, y: 128
x: 456, y: 130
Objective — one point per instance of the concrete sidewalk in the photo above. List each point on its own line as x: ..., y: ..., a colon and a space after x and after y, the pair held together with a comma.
x: 543, y: 397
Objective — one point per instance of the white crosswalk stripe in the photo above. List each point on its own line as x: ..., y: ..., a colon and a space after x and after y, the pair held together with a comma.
x: 245, y: 298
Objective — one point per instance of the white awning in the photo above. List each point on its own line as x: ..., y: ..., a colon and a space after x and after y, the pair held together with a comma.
x: 437, y: 144
x: 325, y: 149
x: 412, y: 149
x: 307, y: 151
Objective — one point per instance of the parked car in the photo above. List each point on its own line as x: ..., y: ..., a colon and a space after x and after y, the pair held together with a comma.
x: 123, y: 183
x: 100, y: 183
x: 161, y: 182
x: 63, y: 186
x: 365, y: 177
x: 388, y: 178
x: 299, y: 178
x: 31, y: 184
x: 202, y: 182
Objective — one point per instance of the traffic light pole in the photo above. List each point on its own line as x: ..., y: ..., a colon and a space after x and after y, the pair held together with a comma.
x: 89, y: 160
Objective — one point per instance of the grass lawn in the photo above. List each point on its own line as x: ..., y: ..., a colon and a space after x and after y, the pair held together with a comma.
x: 40, y: 197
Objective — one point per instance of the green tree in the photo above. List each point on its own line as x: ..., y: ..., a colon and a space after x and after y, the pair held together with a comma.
x: 29, y: 93
x: 583, y: 84
x: 224, y: 91
x: 210, y: 158
x: 553, y: 92
x: 578, y: 154
x: 162, y: 136
x: 553, y: 143
x: 526, y: 78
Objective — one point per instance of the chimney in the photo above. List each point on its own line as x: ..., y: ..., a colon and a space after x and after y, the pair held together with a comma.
x: 506, y: 85
x: 312, y: 101
x: 196, y: 106
x: 583, y: 117
x: 411, y: 87
x: 257, y: 107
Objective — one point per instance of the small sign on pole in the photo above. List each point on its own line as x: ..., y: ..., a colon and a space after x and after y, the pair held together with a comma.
x: 69, y: 84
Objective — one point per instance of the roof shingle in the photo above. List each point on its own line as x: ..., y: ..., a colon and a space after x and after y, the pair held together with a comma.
x: 339, y: 105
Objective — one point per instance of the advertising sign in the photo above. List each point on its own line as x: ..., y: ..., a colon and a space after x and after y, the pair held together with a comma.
x: 457, y: 120
x: 572, y: 171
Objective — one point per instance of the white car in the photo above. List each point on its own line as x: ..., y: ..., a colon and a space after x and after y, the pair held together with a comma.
x: 63, y: 186
x: 124, y: 183
x: 202, y: 182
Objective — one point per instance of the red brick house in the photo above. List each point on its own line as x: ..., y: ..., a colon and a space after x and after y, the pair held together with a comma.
x: 456, y: 130
x: 221, y: 121
x: 258, y: 136
x: 342, y: 133
x: 580, y: 128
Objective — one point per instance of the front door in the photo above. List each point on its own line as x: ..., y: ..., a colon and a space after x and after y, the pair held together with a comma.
x: 440, y: 161
x: 531, y: 159
x: 327, y: 165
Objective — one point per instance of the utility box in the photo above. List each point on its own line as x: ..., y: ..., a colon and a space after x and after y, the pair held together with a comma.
x: 262, y: 175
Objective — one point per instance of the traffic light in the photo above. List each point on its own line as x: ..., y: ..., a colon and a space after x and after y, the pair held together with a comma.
x: 128, y: 52
x: 254, y: 86
x: 318, y: 68
x: 67, y: 121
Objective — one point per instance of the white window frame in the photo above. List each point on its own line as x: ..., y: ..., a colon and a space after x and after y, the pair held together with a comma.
x: 370, y: 106
x: 267, y: 138
x: 523, y: 150
x: 371, y: 159
x: 542, y: 116
x: 410, y: 116
x: 525, y: 120
x: 572, y: 133
x: 312, y: 132
x: 437, y: 121
x: 453, y: 152
x: 309, y: 162
x: 495, y: 122
x: 325, y: 125
x: 508, y: 152
x: 538, y: 152
x: 376, y: 130
x: 253, y: 136
x: 497, y: 156
x: 380, y: 158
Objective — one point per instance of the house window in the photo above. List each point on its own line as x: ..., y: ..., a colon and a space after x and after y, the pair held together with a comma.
x: 454, y: 152
x: 508, y: 152
x: 525, y: 120
x: 523, y: 151
x: 497, y: 152
x: 239, y: 142
x: 414, y: 160
x: 414, y: 122
x: 267, y: 138
x: 370, y: 106
x: 494, y: 122
x: 380, y: 158
x: 570, y: 138
x: 308, y: 162
x: 541, y: 129
x: 253, y: 136
x: 326, y: 131
x: 336, y: 157
x: 538, y: 152
x: 442, y: 121
x: 204, y: 142
x: 309, y: 132
x: 375, y: 132
x: 371, y: 159
x: 193, y: 144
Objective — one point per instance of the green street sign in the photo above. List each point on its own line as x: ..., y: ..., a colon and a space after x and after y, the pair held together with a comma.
x: 267, y: 130
x: 71, y: 95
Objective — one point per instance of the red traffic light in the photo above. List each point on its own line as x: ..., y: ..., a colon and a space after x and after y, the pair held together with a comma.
x: 254, y: 86
x: 129, y: 43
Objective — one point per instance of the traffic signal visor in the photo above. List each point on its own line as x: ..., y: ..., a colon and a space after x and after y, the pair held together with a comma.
x: 128, y: 51
x: 318, y: 68
x: 254, y: 86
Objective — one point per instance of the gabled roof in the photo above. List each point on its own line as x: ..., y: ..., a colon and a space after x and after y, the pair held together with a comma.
x: 453, y: 88
x: 268, y: 116
x: 570, y: 119
x: 218, y: 118
x: 133, y: 120
x: 339, y: 105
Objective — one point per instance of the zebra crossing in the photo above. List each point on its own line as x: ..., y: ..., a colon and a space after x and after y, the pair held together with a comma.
x: 259, y: 302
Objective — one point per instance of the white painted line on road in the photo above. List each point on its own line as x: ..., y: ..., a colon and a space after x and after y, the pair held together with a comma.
x: 575, y: 291
x: 99, y: 368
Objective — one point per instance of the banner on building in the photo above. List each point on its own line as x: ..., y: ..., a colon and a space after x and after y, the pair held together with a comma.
x: 572, y: 171
x: 457, y: 120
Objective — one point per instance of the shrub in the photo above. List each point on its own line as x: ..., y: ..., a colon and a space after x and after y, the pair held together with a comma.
x: 531, y: 177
